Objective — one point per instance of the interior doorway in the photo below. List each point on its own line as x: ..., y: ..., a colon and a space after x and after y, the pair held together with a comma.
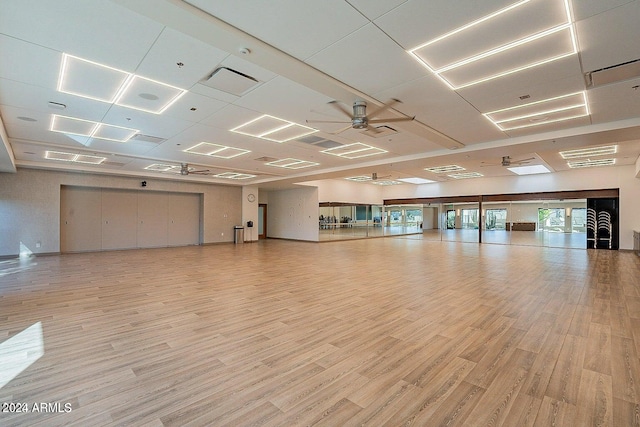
x: 262, y: 221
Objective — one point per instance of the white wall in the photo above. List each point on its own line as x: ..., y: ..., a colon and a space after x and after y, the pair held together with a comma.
x: 293, y: 214
x: 30, y: 206
x: 621, y: 177
x: 341, y: 190
x: 250, y: 213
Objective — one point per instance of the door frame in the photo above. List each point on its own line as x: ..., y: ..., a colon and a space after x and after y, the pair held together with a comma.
x: 264, y: 221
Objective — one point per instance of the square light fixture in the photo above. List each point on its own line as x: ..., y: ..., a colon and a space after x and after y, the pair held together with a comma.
x: 292, y: 164
x: 71, y: 157
x: 494, y: 46
x: 216, y: 150
x: 444, y: 169
x: 465, y: 175
x: 361, y: 178
x: 589, y: 152
x: 546, y: 111
x: 234, y: 175
x: 529, y: 170
x: 574, y: 164
x: 148, y: 95
x: 273, y: 129
x: 385, y: 182
x: 88, y: 79
x: 159, y: 167
x: 90, y: 129
x: 416, y: 181
x: 354, y: 151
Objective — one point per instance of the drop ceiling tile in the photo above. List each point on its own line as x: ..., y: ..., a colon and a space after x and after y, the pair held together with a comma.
x: 373, y: 9
x: 368, y: 61
x: 230, y: 117
x: 297, y: 100
x: 416, y: 22
x: 583, y: 9
x: 615, y: 102
x: 32, y: 97
x: 204, y: 107
x: 147, y: 123
x: 100, y: 31
x: 248, y: 68
x: 29, y: 63
x: 321, y: 23
x: 597, y: 39
x: 171, y: 48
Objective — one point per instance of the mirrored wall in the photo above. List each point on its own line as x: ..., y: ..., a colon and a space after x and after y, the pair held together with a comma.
x: 342, y: 221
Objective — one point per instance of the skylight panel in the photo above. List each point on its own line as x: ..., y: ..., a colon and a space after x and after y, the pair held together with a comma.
x: 529, y: 170
x: 416, y: 181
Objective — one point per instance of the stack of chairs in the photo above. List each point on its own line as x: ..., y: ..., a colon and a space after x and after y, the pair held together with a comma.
x: 604, y: 227
x: 592, y: 228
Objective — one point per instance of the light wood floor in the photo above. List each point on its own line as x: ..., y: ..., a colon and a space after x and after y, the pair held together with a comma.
x: 393, y: 331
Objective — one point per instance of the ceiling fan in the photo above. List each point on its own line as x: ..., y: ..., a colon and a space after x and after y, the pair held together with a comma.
x: 186, y: 170
x: 508, y: 161
x: 359, y: 118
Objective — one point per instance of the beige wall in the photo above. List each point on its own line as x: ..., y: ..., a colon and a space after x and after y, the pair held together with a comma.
x: 293, y: 214
x: 30, y: 206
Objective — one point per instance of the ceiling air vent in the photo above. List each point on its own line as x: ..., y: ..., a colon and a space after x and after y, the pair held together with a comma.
x: 613, y: 74
x: 230, y: 81
x: 266, y: 159
x: 379, y: 131
x: 147, y: 138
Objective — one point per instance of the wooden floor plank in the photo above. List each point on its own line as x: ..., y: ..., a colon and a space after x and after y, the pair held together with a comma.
x: 285, y: 333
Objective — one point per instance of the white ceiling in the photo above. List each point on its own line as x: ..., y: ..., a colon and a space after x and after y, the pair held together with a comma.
x: 305, y: 54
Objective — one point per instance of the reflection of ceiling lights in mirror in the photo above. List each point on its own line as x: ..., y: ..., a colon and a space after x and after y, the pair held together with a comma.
x: 361, y: 178
x: 71, y: 157
x: 546, y: 111
x: 88, y: 79
x: 385, y: 182
x: 233, y: 175
x: 273, y: 129
x: 159, y: 167
x: 292, y: 163
x: 590, y: 163
x: 588, y: 152
x: 556, y: 41
x: 529, y: 170
x: 90, y: 129
x: 444, y: 169
x: 416, y: 181
x: 216, y: 150
x: 354, y: 151
x: 465, y: 175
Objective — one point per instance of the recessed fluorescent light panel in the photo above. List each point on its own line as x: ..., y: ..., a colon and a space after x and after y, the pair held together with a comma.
x: 416, y: 181
x: 589, y: 152
x: 529, y: 170
x: 100, y: 82
x: 590, y: 163
x: 159, y: 167
x: 445, y: 169
x: 216, y: 150
x: 90, y: 129
x: 503, y: 42
x: 361, y: 178
x: 273, y: 129
x: 385, y: 182
x: 557, y: 109
x: 234, y: 175
x: 70, y: 157
x: 354, y: 151
x: 292, y: 164
x: 465, y: 175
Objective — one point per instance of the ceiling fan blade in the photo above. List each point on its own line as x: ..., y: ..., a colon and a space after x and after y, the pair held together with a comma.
x: 522, y: 160
x: 341, y: 108
x: 341, y: 130
x: 397, y: 119
x: 373, y: 129
x: 326, y: 121
x: 383, y: 108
